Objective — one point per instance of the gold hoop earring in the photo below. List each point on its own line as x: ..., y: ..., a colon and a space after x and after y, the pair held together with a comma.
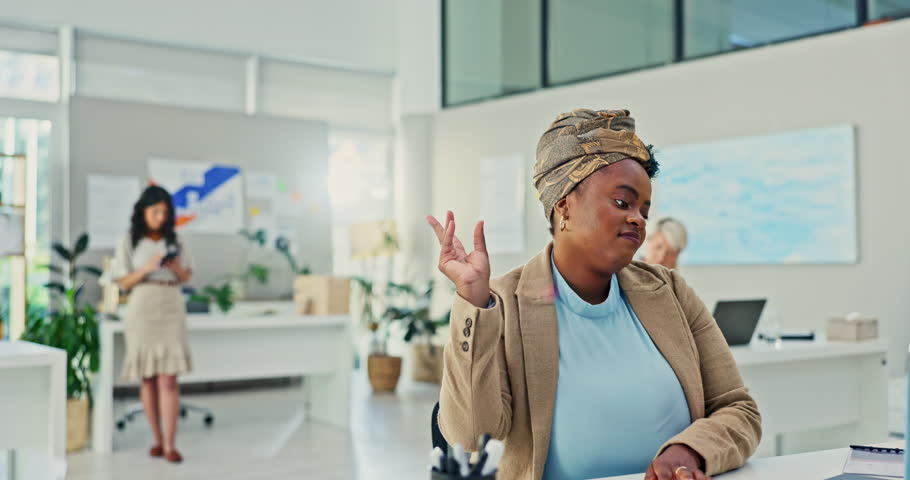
x: 562, y: 224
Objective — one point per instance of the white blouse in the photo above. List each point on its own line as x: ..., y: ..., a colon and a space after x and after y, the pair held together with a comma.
x: 128, y: 259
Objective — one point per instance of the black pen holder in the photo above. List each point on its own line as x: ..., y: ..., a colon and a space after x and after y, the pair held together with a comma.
x: 454, y: 476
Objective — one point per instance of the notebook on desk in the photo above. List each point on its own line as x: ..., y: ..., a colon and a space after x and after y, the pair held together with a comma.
x: 884, y: 462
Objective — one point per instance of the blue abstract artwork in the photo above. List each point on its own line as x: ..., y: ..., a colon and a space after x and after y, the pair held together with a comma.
x: 783, y: 198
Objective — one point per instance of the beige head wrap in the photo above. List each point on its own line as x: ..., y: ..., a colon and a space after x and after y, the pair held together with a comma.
x: 579, y: 143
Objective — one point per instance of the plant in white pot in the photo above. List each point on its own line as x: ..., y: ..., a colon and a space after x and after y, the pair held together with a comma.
x: 71, y: 326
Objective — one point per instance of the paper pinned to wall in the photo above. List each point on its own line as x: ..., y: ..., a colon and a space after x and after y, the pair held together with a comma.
x: 262, y: 218
x: 261, y: 184
x: 110, y: 206
x: 502, y: 203
x: 208, y: 197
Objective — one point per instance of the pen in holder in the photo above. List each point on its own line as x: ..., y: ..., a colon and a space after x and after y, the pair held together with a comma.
x: 456, y: 464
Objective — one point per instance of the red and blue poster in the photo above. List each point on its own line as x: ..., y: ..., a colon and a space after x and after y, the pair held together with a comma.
x: 208, y: 197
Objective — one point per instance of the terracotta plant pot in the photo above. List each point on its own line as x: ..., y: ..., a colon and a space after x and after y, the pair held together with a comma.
x: 77, y: 422
x: 384, y: 372
x: 427, y: 363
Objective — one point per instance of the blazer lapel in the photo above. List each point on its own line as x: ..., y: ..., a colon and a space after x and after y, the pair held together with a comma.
x: 654, y: 304
x: 540, y: 344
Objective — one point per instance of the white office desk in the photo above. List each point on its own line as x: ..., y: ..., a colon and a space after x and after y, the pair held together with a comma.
x: 242, y: 346
x: 33, y: 398
x: 804, y: 466
x: 838, y: 390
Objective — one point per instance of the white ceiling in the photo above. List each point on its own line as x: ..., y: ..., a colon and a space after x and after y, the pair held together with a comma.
x: 357, y: 33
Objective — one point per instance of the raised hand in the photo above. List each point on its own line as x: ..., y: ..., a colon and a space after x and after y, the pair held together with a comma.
x: 470, y: 272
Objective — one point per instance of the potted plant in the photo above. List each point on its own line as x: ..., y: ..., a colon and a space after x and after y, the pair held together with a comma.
x: 72, y: 327
x: 383, y: 369
x: 222, y: 295
x: 419, y: 329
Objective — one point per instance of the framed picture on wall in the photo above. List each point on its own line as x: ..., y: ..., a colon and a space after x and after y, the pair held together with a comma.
x: 12, y: 232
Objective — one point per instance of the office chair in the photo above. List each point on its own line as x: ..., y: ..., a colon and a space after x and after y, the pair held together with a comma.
x: 136, y: 409
x: 435, y: 433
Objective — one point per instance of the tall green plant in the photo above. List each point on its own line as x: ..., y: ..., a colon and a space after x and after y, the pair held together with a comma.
x: 70, y: 327
x: 71, y: 269
x: 73, y: 329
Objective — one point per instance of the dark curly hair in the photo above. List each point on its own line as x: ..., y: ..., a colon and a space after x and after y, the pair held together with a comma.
x: 652, y: 166
x: 153, y: 195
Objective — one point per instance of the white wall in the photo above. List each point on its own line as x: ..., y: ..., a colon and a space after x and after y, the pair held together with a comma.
x: 355, y: 32
x: 858, y: 77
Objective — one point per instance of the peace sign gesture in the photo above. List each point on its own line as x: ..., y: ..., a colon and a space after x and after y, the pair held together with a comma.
x: 470, y: 272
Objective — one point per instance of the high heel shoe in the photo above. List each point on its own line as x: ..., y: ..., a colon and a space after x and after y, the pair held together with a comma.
x: 173, y: 456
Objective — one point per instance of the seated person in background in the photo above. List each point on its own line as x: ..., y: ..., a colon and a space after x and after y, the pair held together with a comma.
x: 666, y: 242
x: 585, y: 363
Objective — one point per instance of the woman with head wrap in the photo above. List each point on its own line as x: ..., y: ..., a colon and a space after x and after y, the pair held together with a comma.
x: 666, y: 242
x: 586, y: 363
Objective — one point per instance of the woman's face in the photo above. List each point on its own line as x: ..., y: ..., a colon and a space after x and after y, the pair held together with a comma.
x: 155, y: 216
x: 606, y: 214
x: 660, y: 252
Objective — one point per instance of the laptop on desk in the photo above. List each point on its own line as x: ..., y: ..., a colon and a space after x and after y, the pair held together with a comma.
x: 737, y: 319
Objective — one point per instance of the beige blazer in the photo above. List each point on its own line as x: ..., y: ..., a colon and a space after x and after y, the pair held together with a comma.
x: 501, y: 367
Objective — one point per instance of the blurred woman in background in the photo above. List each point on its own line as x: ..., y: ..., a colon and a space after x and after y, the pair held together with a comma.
x: 152, y: 264
x: 666, y: 243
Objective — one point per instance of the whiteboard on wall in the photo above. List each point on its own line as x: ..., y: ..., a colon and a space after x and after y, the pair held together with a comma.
x: 782, y: 198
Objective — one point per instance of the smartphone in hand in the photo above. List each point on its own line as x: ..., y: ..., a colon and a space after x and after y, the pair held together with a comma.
x: 167, y: 258
x: 173, y: 251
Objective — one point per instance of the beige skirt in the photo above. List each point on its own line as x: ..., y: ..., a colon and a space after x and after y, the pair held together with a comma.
x: 155, y: 333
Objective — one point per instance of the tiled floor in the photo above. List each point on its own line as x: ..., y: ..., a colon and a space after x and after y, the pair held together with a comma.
x: 262, y: 434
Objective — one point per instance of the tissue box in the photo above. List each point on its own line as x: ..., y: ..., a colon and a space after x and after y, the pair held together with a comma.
x: 322, y: 294
x: 852, y: 330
